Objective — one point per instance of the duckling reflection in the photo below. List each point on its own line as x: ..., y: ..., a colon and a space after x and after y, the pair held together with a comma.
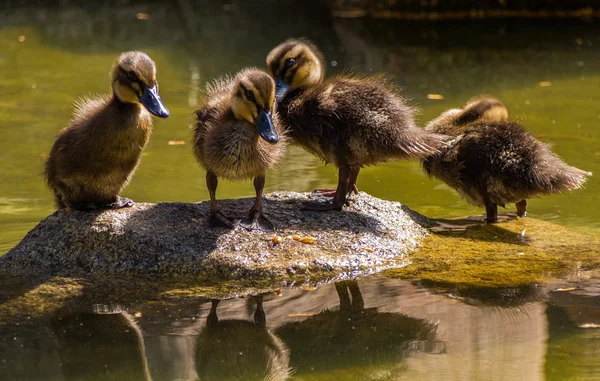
x: 364, y: 342
x: 492, y: 161
x: 105, y: 347
x: 240, y: 350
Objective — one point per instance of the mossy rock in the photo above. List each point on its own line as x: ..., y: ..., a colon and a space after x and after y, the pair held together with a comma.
x: 468, y: 254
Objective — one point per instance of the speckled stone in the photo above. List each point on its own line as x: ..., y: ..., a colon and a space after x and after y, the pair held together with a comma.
x: 173, y: 239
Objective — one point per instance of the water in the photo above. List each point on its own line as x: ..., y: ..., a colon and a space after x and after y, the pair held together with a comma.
x: 545, y: 72
x: 372, y: 329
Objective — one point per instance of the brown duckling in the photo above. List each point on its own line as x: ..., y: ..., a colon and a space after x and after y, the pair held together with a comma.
x: 346, y: 120
x: 237, y: 137
x: 492, y: 161
x: 95, y: 156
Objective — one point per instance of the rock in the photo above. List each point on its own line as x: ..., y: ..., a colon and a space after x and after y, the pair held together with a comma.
x: 173, y: 240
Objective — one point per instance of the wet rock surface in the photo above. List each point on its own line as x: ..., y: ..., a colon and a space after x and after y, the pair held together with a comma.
x: 173, y: 239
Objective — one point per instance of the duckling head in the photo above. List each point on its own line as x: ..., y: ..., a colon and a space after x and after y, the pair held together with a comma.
x: 295, y: 64
x: 133, y: 80
x: 253, y: 99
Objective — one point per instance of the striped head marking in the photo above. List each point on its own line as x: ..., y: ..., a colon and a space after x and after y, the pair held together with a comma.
x: 253, y: 100
x: 483, y: 110
x: 295, y: 64
x: 133, y: 80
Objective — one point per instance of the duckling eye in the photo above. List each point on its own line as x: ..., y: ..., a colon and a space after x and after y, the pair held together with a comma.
x: 131, y: 76
x: 290, y: 62
x: 250, y: 95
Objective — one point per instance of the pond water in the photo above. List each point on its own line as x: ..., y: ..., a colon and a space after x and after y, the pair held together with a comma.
x: 375, y: 328
x: 378, y: 328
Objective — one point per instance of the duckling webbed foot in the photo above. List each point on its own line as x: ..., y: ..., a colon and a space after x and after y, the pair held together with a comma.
x: 329, y: 192
x: 122, y: 202
x: 323, y: 207
x: 256, y: 220
x: 219, y: 220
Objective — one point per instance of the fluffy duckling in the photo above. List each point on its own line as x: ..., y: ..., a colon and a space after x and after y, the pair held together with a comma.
x: 492, y: 161
x: 348, y: 121
x: 237, y: 137
x: 95, y: 157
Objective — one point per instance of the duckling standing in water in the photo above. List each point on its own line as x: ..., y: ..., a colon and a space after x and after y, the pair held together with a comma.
x: 348, y: 121
x: 492, y: 161
x: 237, y: 137
x: 95, y: 157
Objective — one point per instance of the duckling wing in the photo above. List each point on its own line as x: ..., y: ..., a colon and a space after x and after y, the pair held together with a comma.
x: 508, y: 163
x: 374, y: 122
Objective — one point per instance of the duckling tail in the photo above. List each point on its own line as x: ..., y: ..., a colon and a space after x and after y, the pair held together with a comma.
x: 419, y: 143
x: 552, y: 175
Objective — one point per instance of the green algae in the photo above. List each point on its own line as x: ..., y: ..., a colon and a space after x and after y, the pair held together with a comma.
x: 468, y: 254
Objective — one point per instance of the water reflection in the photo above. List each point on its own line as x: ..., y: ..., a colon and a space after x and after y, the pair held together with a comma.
x: 236, y: 349
x: 100, y: 346
x: 371, y: 329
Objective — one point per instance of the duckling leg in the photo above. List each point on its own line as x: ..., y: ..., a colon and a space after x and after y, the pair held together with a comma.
x: 212, y: 319
x: 521, y: 208
x: 342, y: 291
x: 216, y: 219
x: 260, y: 319
x: 358, y: 303
x: 352, y: 188
x: 339, y: 200
x: 491, y: 210
x: 256, y: 220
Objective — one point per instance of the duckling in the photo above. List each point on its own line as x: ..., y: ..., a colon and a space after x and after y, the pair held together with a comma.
x: 492, y: 161
x: 346, y: 120
x: 237, y: 137
x: 95, y: 156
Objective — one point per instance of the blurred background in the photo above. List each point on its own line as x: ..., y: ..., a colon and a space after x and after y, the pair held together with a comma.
x: 540, y: 58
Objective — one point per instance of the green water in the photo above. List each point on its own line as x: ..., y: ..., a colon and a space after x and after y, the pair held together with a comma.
x: 67, y: 53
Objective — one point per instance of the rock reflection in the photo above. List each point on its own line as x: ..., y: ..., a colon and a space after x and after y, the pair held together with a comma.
x: 106, y: 346
x: 235, y: 349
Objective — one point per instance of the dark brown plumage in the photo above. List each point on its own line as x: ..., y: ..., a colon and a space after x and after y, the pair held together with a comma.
x: 237, y: 137
x: 346, y: 120
x: 492, y: 161
x: 95, y: 157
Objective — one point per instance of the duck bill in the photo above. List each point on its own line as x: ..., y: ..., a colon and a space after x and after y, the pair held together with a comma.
x: 281, y: 89
x: 264, y: 125
x: 151, y: 100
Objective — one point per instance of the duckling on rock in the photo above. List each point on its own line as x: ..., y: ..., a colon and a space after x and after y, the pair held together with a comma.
x: 492, y: 161
x: 237, y: 137
x: 346, y: 120
x: 95, y: 156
